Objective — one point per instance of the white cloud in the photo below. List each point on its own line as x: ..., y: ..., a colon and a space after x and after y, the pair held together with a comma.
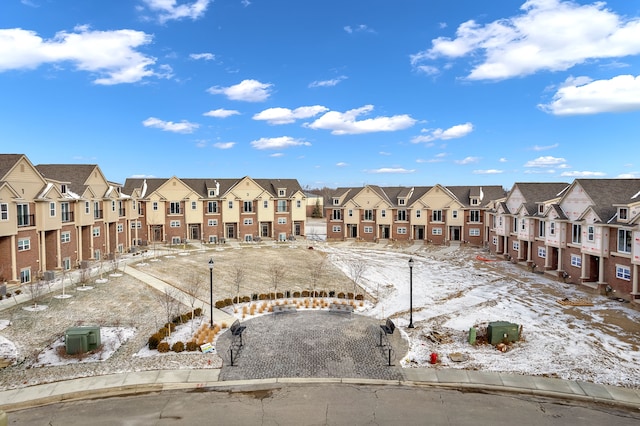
x: 286, y: 116
x: 385, y: 153
x: 428, y: 69
x: 467, y: 160
x: 547, y: 161
x: 276, y: 155
x: 204, y: 56
x: 544, y: 148
x: 397, y: 170
x: 221, y: 113
x: 457, y: 131
x: 347, y: 124
x: 341, y: 164
x: 358, y: 29
x: 224, y: 145
x: 487, y: 172
x: 109, y: 54
x: 631, y: 175
x: 619, y: 94
x: 246, y: 90
x: 549, y: 35
x: 327, y: 83
x: 584, y: 174
x: 278, y: 143
x: 502, y: 160
x: 168, y: 10
x: 169, y: 126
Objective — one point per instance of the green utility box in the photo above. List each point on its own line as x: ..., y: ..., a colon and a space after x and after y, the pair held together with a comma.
x: 502, y: 331
x: 82, y: 339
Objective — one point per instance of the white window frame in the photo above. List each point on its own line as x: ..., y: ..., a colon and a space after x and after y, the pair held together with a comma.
x: 436, y: 231
x: 474, y: 216
x: 576, y: 233
x: 87, y: 207
x: 247, y: 206
x: 418, y: 213
x: 194, y: 205
x: 176, y: 240
x: 230, y: 204
x: 626, y: 243
x: 119, y: 228
x: 591, y: 233
x: 52, y: 209
x: 368, y: 229
x: 623, y: 272
x: 248, y: 221
x: 95, y: 231
x: 336, y: 228
x: 516, y: 245
x: 24, y: 244
x: 336, y: 214
x: 282, y: 221
x: 174, y: 224
x: 265, y: 204
x: 212, y: 222
x: 402, y: 230
x: 576, y: 261
x: 298, y: 203
x: 4, y: 212
x: 552, y: 228
x: 154, y: 205
x: 25, y: 275
x: 65, y: 237
x: 454, y: 214
x: 436, y: 216
x: 383, y: 213
x: 474, y: 232
x: 542, y: 252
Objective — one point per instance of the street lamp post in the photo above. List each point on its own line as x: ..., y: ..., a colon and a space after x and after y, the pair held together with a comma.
x: 411, y: 292
x: 211, y: 290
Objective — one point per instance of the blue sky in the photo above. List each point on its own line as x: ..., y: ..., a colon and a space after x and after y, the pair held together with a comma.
x: 333, y: 93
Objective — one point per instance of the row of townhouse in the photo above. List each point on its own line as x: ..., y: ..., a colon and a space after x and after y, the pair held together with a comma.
x: 433, y: 214
x: 56, y: 216
x: 584, y: 232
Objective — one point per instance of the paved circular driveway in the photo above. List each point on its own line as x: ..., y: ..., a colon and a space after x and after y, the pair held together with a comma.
x: 312, y: 344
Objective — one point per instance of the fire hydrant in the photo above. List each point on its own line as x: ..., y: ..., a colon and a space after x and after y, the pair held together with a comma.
x: 434, y: 358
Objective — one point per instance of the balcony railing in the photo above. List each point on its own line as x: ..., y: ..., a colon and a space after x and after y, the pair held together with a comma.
x: 121, y: 212
x: 67, y: 217
x: 26, y: 220
x: 175, y: 211
x: 97, y: 214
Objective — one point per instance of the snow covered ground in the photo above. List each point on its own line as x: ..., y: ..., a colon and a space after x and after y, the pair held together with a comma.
x: 453, y: 291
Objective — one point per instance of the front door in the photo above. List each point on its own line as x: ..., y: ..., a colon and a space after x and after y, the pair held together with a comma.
x: 194, y: 232
x: 455, y: 233
x: 231, y: 231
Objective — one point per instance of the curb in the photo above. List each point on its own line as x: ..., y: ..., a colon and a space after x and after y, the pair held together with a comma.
x: 146, y: 388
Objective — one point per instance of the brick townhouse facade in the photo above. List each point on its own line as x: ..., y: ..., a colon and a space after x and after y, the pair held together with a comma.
x: 56, y: 216
x: 432, y: 214
x: 584, y: 232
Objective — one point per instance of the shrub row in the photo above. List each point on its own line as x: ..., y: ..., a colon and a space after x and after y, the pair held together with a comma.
x: 155, y: 340
x: 219, y: 304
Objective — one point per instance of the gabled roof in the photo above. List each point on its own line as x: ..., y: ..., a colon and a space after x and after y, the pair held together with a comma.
x: 485, y: 193
x: 8, y: 162
x: 75, y: 175
x: 607, y: 193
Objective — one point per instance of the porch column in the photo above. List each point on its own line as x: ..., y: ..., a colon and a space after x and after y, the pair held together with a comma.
x: 107, y: 239
x: 583, y: 266
x: 559, y: 259
x: 14, y: 260
x: 546, y: 258
x: 601, y: 270
x: 58, y: 250
x: 43, y: 253
x: 529, y: 248
x: 634, y: 275
x: 79, y: 244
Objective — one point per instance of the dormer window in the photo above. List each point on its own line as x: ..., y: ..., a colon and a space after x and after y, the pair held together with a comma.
x: 475, y: 201
x: 212, y: 193
x: 336, y: 201
x: 63, y: 188
x: 623, y: 213
x: 540, y: 208
x: 401, y: 201
x: 282, y: 192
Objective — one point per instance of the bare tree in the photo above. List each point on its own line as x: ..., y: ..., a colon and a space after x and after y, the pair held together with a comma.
x: 193, y: 289
x: 356, y: 270
x: 169, y: 301
x: 317, y: 270
x: 238, y: 276
x: 36, y: 290
x: 276, y: 273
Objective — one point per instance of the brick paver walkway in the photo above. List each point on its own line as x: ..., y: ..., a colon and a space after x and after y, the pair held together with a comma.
x: 311, y: 344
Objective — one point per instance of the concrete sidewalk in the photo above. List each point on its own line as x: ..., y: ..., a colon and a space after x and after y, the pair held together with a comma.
x: 156, y: 381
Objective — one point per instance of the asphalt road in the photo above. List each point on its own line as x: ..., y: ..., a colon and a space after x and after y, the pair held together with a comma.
x: 326, y: 404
